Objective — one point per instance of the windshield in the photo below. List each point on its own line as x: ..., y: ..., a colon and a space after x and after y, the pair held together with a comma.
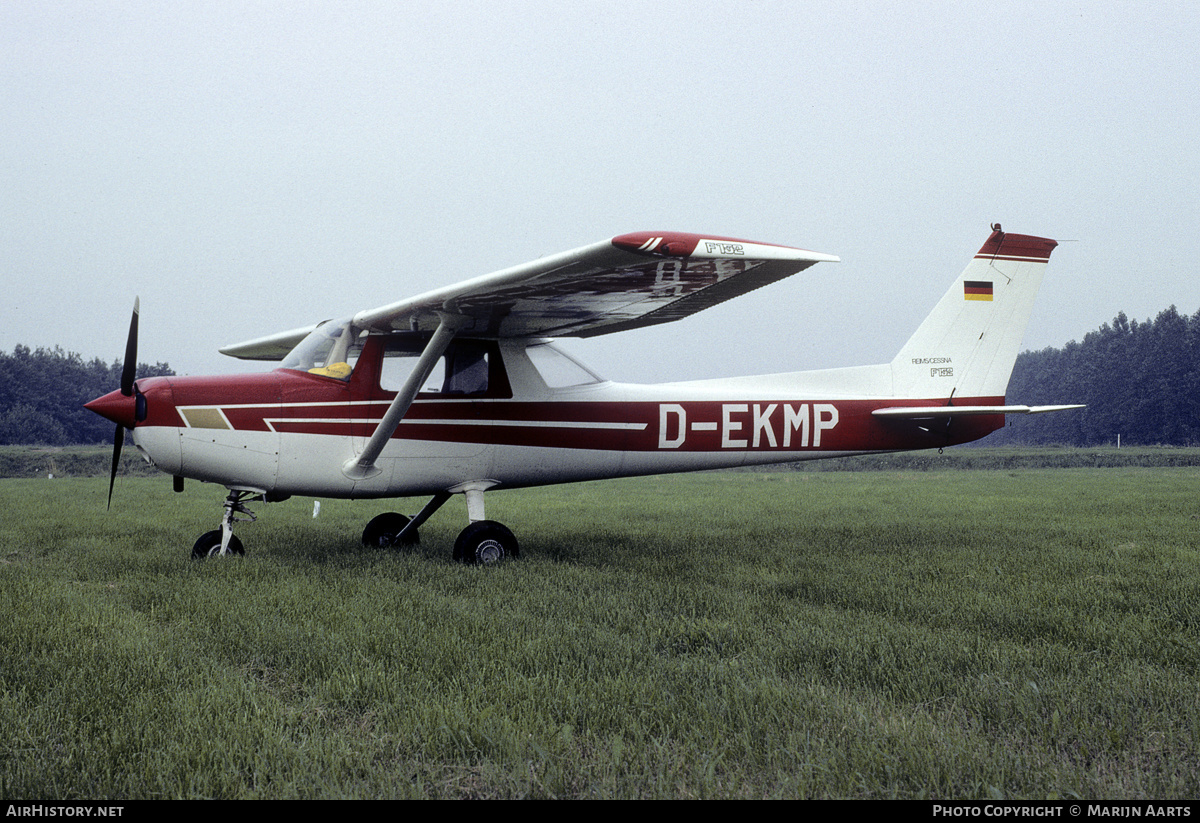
x: 329, y: 350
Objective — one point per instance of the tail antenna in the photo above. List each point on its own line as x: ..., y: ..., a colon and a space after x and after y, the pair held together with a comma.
x: 999, y: 241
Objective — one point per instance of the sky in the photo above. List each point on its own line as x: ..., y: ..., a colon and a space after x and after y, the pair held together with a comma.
x: 250, y: 167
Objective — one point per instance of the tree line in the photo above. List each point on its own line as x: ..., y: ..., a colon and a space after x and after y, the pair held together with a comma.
x: 42, y: 393
x: 1139, y: 380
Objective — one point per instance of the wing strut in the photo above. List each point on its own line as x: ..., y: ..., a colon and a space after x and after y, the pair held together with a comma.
x: 363, y: 466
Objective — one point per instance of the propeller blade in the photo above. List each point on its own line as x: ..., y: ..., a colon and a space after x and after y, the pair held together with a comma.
x: 129, y: 369
x: 128, y: 375
x: 118, y: 441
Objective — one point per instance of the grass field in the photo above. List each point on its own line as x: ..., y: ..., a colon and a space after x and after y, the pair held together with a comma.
x: 939, y: 634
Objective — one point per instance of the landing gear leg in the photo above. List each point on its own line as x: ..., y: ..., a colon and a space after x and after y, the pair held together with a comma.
x: 483, y: 542
x: 223, y: 541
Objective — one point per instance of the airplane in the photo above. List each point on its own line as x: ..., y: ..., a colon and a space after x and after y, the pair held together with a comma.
x: 462, y: 390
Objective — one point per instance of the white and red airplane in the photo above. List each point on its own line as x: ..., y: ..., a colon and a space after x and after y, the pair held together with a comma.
x: 460, y: 391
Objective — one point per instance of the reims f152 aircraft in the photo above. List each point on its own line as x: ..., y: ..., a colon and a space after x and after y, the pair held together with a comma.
x: 460, y: 390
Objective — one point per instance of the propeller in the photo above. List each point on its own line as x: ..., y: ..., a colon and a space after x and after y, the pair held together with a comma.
x: 130, y: 366
x: 128, y: 373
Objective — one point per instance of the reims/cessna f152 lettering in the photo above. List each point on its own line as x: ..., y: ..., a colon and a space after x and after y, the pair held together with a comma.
x: 459, y: 390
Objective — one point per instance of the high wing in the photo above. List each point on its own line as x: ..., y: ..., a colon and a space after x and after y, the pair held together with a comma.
x: 627, y: 282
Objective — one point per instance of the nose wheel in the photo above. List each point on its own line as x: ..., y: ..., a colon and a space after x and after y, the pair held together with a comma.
x: 209, y: 545
x: 223, y: 542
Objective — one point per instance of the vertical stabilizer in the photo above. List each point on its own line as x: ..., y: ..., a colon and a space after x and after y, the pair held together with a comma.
x: 967, y: 345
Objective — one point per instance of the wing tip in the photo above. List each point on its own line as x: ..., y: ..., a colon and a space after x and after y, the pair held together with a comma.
x: 273, y: 347
x: 686, y: 244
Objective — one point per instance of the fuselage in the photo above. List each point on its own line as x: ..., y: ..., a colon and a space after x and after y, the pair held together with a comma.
x: 290, y: 431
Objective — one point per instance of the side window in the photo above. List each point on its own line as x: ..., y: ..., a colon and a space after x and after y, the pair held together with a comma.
x: 463, y: 370
x: 557, y: 369
x: 399, y: 363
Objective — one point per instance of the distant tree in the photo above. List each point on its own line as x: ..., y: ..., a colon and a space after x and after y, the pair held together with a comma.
x: 42, y: 393
x: 1139, y: 380
x: 22, y: 423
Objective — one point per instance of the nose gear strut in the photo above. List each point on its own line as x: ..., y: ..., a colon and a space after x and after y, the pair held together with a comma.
x: 223, y: 541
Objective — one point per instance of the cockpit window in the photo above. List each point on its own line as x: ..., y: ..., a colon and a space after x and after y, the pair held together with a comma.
x: 557, y: 369
x: 330, y: 350
x: 464, y: 370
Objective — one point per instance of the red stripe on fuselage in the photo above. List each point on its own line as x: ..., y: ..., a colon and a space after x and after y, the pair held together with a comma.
x: 691, y: 426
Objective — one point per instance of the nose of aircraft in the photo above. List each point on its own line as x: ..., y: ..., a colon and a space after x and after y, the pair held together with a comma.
x: 119, y: 408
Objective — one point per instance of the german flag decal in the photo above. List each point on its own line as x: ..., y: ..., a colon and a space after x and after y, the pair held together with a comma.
x: 977, y: 290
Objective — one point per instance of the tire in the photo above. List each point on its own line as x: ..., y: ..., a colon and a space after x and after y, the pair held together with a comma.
x: 485, y: 542
x: 381, y: 532
x: 209, y: 545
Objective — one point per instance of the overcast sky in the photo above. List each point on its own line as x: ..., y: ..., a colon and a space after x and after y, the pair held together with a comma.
x: 250, y: 167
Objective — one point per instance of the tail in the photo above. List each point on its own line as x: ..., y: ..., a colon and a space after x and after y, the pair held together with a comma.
x: 968, y: 344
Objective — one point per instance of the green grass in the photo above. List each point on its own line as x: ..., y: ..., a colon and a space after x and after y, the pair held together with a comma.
x: 96, y: 461
x: 948, y: 634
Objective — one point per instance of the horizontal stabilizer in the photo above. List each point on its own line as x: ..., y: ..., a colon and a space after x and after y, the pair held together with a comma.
x: 928, y: 412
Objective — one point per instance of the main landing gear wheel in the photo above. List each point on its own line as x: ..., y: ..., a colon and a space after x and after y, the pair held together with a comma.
x: 382, y: 531
x: 485, y: 542
x: 209, y: 545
